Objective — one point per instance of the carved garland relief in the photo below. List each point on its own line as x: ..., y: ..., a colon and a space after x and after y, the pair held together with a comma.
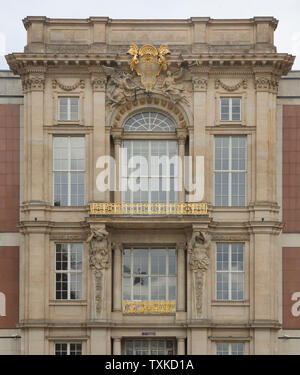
x: 64, y: 87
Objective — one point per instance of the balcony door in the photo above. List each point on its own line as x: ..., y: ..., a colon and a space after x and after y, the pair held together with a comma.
x: 150, y: 171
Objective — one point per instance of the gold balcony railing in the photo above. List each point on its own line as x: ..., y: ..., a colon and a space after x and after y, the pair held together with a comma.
x: 148, y: 209
x: 149, y: 307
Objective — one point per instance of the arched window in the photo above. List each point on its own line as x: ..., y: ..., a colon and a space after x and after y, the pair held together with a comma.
x: 149, y: 122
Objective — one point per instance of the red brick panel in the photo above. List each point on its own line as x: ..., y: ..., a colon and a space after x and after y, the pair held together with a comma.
x: 291, y: 168
x: 9, y: 286
x: 291, y: 287
x: 9, y: 166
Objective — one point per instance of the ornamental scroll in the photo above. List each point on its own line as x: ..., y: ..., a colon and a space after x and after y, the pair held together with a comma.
x: 198, y: 248
x: 99, y: 254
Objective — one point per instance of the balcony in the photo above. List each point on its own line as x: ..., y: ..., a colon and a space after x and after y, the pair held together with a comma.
x: 148, y: 209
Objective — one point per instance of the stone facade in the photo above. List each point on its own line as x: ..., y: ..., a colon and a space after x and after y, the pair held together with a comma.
x: 209, y: 60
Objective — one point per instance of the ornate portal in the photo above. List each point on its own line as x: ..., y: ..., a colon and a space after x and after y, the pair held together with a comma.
x: 148, y: 63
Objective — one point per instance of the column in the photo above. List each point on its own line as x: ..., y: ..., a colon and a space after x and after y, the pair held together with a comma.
x: 181, y: 135
x: 200, y: 82
x: 117, y: 281
x: 180, y: 345
x: 266, y: 89
x: 33, y: 85
x: 117, y: 346
x: 117, y: 142
x: 98, y: 82
x: 181, y: 277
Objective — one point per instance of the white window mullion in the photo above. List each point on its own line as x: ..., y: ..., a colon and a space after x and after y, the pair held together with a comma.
x: 230, y: 171
x: 69, y: 271
x: 229, y: 272
x: 166, y: 281
x: 69, y: 171
x: 149, y: 275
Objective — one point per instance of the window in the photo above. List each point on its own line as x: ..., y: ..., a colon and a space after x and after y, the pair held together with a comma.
x: 68, y: 271
x: 149, y: 347
x: 68, y: 349
x: 230, y: 272
x: 149, y: 274
x: 150, y: 122
x: 157, y: 182
x: 68, y: 109
x: 230, y: 109
x: 230, y: 170
x: 230, y: 348
x: 69, y: 171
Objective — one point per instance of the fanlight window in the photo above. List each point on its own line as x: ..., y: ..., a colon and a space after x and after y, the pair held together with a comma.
x: 149, y: 122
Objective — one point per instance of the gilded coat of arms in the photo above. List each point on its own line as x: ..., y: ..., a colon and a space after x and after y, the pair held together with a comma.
x: 148, y: 63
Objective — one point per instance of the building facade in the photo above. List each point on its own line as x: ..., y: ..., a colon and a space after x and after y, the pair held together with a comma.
x: 157, y: 270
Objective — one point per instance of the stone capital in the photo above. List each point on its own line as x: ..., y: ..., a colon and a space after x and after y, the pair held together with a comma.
x: 33, y: 81
x: 98, y: 78
x: 181, y: 246
x: 266, y: 82
x: 200, y: 83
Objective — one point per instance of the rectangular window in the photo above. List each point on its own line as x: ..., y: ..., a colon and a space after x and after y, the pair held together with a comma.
x: 156, y: 182
x: 149, y: 274
x: 68, y: 109
x: 230, y: 272
x: 230, y: 109
x: 149, y: 347
x: 230, y: 170
x: 68, y: 271
x: 230, y: 348
x: 69, y: 171
x: 68, y: 349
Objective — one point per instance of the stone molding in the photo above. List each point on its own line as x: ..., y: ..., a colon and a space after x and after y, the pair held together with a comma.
x: 80, y: 83
x: 242, y: 83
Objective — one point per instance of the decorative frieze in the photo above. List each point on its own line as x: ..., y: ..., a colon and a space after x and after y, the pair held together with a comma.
x: 66, y: 237
x: 80, y: 83
x: 231, y: 88
x: 230, y: 237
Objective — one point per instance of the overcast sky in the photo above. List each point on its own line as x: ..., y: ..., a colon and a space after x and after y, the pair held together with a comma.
x: 13, y: 34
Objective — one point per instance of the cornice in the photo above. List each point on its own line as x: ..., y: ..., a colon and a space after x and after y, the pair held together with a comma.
x: 20, y: 63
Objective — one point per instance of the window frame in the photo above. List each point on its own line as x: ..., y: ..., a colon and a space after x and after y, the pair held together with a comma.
x: 147, y: 131
x: 68, y: 347
x: 69, y: 271
x: 130, y: 276
x: 230, y: 272
x: 216, y: 115
x: 149, y: 176
x: 69, y: 171
x: 230, y: 98
x: 69, y: 97
x: 230, y: 343
x: 150, y: 340
x: 230, y: 171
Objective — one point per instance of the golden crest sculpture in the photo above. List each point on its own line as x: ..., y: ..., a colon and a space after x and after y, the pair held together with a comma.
x: 148, y: 63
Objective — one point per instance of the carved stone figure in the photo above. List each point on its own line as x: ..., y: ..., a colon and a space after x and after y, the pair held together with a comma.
x: 199, y: 261
x: 99, y: 261
x: 121, y: 87
x: 173, y: 90
x: 99, y: 249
